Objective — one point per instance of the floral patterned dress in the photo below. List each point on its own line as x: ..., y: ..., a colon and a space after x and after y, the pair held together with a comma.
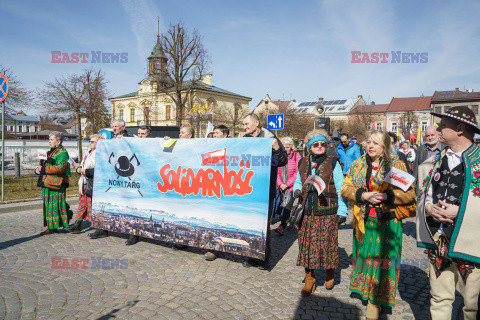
x: 377, y: 243
x: 55, y: 213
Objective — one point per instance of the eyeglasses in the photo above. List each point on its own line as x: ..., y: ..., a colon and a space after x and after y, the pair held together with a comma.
x: 317, y: 144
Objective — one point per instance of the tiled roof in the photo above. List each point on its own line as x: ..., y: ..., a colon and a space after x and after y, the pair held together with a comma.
x: 409, y: 104
x: 71, y: 124
x: 128, y: 95
x: 25, y: 118
x: 279, y: 103
x: 454, y: 95
x: 199, y: 85
x: 372, y: 108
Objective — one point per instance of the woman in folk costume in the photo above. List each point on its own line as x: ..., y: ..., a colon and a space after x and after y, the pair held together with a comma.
x: 54, y: 173
x: 377, y: 241
x: 318, y: 234
x: 85, y: 170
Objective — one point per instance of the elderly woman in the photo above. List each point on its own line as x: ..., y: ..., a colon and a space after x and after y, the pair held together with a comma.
x: 285, y: 179
x: 318, y: 234
x: 377, y: 242
x: 54, y: 173
x: 85, y: 186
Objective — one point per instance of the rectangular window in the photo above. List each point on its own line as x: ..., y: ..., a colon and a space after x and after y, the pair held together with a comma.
x: 379, y: 126
x: 120, y: 114
x: 19, y: 128
x: 168, y: 110
x: 27, y: 128
x: 394, y: 127
x: 446, y: 108
x: 475, y: 109
x: 369, y: 126
x: 438, y: 110
x: 132, y: 115
x: 424, y: 125
x: 11, y: 129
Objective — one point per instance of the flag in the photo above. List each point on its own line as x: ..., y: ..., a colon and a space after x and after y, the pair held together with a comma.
x: 419, y: 135
x: 209, y: 129
x: 400, y: 136
x: 72, y: 163
x: 214, y: 157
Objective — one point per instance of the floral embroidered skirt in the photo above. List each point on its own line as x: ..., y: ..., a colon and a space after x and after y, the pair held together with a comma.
x: 84, y: 211
x: 54, y: 208
x: 376, y: 261
x: 318, y: 242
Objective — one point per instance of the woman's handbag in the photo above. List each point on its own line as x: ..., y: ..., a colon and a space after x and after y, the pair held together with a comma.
x: 88, y: 187
x: 297, y: 213
x: 286, y: 198
x: 406, y: 211
x: 53, y: 182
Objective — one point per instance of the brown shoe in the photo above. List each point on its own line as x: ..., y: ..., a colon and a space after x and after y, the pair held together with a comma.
x: 329, y: 279
x: 373, y: 311
x: 46, y: 232
x: 309, y: 286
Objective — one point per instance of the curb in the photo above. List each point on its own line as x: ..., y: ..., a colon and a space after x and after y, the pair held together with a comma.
x: 29, y: 204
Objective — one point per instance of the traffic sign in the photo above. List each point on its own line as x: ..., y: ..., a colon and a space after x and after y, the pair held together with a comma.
x: 3, y: 87
x: 275, y: 121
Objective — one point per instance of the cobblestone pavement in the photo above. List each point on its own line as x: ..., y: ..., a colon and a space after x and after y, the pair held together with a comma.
x: 152, y: 281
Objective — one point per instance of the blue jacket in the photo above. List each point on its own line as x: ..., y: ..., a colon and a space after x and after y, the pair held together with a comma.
x: 348, y: 156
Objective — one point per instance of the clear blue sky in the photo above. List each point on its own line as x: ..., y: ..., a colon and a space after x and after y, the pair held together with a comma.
x: 289, y: 49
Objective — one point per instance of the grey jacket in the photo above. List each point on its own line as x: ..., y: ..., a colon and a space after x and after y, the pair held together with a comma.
x: 422, y: 155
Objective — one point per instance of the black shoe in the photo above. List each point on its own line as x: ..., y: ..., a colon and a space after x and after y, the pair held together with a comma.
x: 132, y: 240
x: 250, y: 262
x: 341, y: 219
x: 99, y: 233
x: 76, y: 227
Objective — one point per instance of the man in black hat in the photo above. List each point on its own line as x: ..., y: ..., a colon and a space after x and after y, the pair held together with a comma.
x: 448, y: 218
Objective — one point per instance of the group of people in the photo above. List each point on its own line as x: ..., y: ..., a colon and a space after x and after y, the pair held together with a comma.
x: 447, y: 186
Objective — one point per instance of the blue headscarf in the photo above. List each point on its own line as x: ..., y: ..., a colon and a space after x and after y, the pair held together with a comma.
x: 315, y: 139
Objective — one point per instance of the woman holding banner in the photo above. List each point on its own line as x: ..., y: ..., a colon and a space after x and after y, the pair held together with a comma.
x: 54, y: 173
x: 378, y: 205
x: 318, y: 234
x: 85, y: 186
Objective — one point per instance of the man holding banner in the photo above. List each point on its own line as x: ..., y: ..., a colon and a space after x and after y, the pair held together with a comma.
x: 251, y: 125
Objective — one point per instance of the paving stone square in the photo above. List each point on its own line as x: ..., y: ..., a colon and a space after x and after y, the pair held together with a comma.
x: 161, y: 283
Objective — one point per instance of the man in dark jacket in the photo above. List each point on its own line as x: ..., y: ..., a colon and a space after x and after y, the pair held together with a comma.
x: 431, y: 148
x: 251, y: 125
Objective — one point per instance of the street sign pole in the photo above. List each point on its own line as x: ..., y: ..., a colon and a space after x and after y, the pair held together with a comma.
x: 3, y: 150
x: 3, y: 96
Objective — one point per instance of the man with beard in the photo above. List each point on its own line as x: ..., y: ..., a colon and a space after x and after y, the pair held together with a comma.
x: 431, y: 148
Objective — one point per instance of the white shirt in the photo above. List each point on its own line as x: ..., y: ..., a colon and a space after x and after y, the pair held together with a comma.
x: 453, y: 160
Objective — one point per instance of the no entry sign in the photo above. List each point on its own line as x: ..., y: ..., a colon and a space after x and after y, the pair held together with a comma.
x: 3, y: 87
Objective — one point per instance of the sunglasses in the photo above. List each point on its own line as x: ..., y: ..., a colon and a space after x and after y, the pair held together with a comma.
x: 317, y: 144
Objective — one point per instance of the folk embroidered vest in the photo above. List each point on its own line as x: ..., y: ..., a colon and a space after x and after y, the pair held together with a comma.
x: 447, y: 186
x: 327, y: 202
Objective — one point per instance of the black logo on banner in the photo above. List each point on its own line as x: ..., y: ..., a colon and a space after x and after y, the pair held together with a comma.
x: 124, y: 168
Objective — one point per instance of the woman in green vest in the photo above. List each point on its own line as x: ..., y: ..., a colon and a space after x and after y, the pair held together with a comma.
x: 54, y: 173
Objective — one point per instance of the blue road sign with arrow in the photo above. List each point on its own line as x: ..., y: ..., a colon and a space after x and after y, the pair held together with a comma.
x: 275, y: 121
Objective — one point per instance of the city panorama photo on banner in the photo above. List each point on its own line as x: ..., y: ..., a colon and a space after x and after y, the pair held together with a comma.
x: 204, y: 193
